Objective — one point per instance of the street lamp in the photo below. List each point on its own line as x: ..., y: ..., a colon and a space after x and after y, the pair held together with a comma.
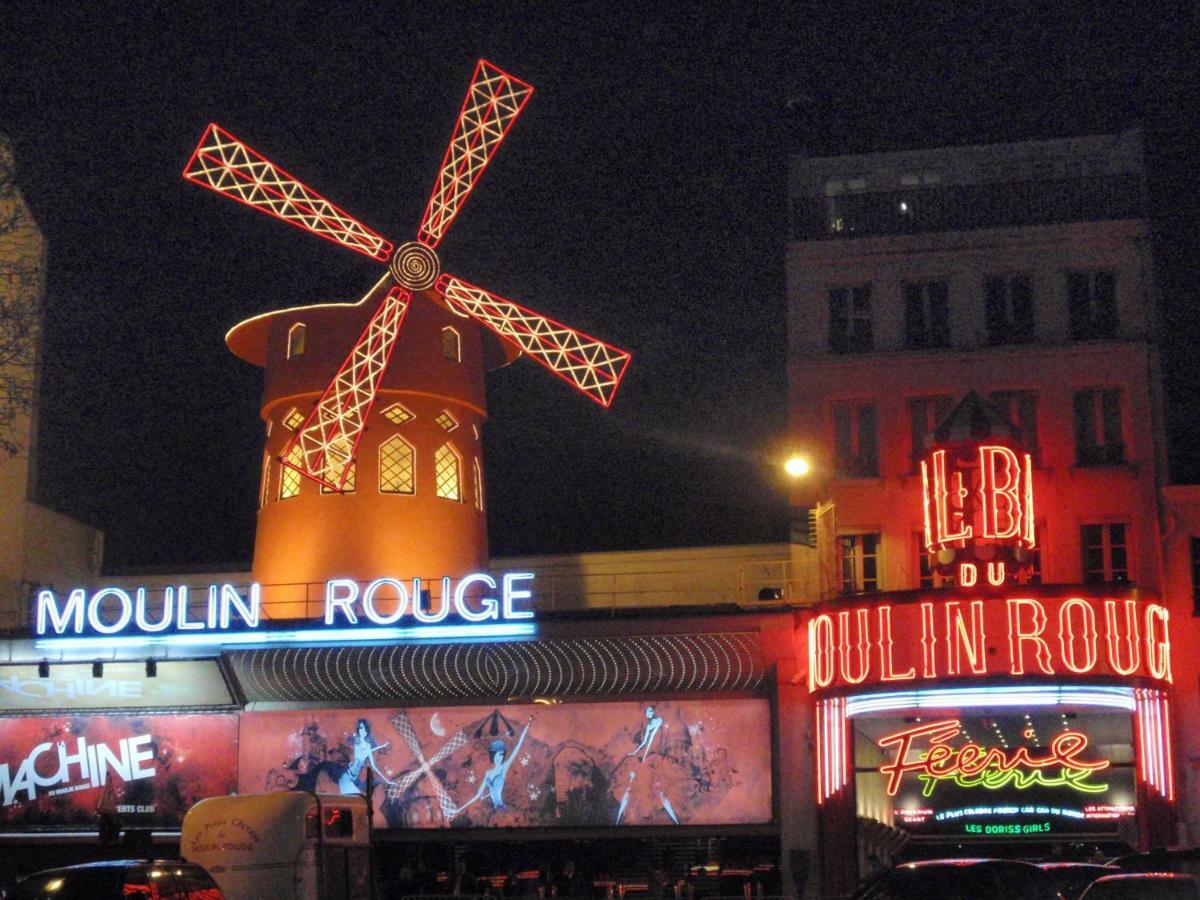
x: 797, y: 466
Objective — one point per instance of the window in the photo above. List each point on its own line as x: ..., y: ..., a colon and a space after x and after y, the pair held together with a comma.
x: 445, y: 421
x: 1020, y: 407
x: 860, y: 563
x: 1098, y: 433
x: 397, y: 414
x: 451, y: 344
x: 289, y: 478
x: 926, y: 314
x: 447, y: 473
x: 295, y: 342
x: 1092, y: 305
x: 855, y: 447
x: 924, y: 414
x: 929, y: 576
x: 477, y: 471
x: 850, y: 319
x: 294, y: 419
x: 1105, y: 553
x: 337, y: 463
x: 265, y: 490
x: 1195, y: 548
x: 397, y: 466
x: 1008, y: 309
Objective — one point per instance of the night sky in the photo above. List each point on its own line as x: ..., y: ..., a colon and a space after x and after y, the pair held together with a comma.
x: 641, y: 197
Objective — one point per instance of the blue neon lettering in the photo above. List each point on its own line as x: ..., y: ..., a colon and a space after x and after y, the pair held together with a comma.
x: 490, y: 607
x: 368, y: 601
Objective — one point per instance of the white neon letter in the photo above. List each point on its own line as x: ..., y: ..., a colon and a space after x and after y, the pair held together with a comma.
x: 181, y: 618
x: 511, y: 594
x: 428, y: 618
x: 47, y: 608
x: 139, y: 615
x: 489, y: 604
x: 344, y: 602
x: 93, y: 612
x: 231, y: 600
x: 368, y: 601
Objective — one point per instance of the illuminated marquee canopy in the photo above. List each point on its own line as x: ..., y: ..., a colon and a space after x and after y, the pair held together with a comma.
x: 871, y: 643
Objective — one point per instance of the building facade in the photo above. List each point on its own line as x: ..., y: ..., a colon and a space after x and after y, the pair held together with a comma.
x: 984, y: 297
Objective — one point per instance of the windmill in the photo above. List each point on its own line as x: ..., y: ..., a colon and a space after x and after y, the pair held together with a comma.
x: 327, y: 442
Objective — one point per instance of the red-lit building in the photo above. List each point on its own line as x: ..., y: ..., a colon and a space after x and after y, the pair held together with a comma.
x: 967, y: 298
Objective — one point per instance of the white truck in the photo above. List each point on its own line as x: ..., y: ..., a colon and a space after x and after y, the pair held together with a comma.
x: 290, y: 845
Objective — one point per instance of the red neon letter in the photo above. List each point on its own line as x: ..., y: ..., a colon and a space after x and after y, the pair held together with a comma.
x: 948, y: 503
x: 862, y: 646
x: 998, y: 492
x: 959, y: 638
x: 1068, y: 634
x: 928, y: 642
x: 938, y: 732
x: 887, y: 663
x: 820, y: 652
x: 1115, y: 637
x: 1158, y: 644
x: 1017, y: 636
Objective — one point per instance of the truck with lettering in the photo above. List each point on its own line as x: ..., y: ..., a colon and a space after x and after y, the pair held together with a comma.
x: 291, y: 845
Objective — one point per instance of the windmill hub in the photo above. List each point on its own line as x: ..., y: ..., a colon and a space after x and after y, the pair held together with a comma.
x: 415, y: 266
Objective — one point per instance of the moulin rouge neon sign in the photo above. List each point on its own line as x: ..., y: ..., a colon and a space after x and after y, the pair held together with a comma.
x: 992, y: 768
x: 978, y: 511
x: 477, y: 605
x: 881, y: 643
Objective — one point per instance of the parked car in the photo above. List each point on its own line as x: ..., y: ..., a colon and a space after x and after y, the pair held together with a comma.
x: 120, y: 879
x: 962, y: 879
x: 1072, y: 878
x: 1144, y: 886
x: 1185, y: 860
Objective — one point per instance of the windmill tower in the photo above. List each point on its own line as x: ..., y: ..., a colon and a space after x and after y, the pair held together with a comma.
x: 378, y: 471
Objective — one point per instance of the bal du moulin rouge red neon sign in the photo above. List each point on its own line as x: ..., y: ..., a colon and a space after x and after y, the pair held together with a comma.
x: 978, y: 511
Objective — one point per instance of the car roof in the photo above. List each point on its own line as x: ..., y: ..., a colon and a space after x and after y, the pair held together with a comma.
x: 1144, y: 876
x: 959, y: 861
x: 118, y: 864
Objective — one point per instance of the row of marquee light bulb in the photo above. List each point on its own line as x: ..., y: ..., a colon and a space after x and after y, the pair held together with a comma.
x: 1028, y: 732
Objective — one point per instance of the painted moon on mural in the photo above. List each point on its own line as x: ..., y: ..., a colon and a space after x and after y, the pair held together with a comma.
x: 435, y: 725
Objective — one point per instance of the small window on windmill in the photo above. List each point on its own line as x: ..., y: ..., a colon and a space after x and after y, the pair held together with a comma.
x: 477, y: 471
x: 447, y: 470
x: 445, y: 421
x: 289, y: 478
x: 451, y: 344
x: 339, y: 464
x: 397, y: 466
x: 397, y: 414
x: 294, y: 419
x: 295, y: 343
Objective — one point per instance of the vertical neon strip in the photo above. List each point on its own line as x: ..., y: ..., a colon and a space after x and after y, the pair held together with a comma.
x: 925, y: 488
x: 847, y: 768
x: 1168, y: 761
x: 1027, y: 530
x: 819, y: 747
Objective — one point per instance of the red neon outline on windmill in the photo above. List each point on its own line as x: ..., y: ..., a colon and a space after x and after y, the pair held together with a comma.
x: 328, y: 439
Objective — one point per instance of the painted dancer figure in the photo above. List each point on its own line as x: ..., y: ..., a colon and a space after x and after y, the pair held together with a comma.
x: 493, y: 779
x: 354, y: 779
x: 651, y: 767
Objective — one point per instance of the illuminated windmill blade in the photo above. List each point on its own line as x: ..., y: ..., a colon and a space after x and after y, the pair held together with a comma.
x: 324, y: 447
x: 592, y: 366
x: 224, y: 164
x: 493, y: 102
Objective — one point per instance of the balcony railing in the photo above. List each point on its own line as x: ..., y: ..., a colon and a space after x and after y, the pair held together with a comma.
x: 966, y: 207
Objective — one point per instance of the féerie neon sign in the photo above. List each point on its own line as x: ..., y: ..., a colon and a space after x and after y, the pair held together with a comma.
x: 993, y: 768
x: 478, y: 605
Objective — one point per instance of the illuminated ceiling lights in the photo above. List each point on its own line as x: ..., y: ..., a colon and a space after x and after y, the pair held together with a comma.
x: 329, y: 436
